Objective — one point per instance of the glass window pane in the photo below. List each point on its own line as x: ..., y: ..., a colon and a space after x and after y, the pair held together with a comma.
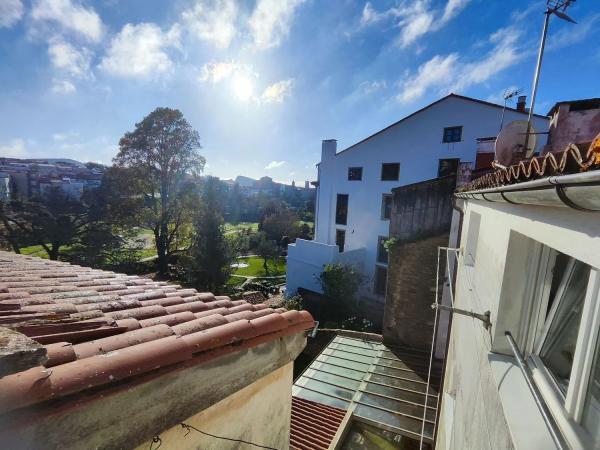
x: 558, y: 348
x: 320, y: 398
x: 325, y: 388
x: 332, y: 378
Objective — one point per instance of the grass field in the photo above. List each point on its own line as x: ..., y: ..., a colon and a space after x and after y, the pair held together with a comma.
x: 34, y: 250
x: 231, y: 228
x: 255, y: 267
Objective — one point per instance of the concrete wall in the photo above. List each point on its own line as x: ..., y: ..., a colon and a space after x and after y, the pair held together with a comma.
x: 259, y: 413
x: 415, y: 143
x: 305, y: 261
x: 485, y: 402
x: 572, y: 127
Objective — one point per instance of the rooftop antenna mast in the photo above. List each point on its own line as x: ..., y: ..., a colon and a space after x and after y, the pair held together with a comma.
x: 508, y: 94
x: 558, y: 8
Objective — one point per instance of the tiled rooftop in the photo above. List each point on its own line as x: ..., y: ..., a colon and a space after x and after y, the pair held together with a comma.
x: 101, y: 327
x: 573, y: 159
x: 313, y: 425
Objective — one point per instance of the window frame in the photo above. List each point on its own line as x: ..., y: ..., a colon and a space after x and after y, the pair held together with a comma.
x: 397, y: 178
x: 452, y: 129
x: 381, y: 245
x: 337, y: 200
x: 340, y: 231
x: 360, y: 171
x: 568, y: 407
x: 383, y: 198
x: 379, y: 266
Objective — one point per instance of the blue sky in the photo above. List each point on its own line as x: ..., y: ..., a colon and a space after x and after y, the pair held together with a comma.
x: 265, y: 81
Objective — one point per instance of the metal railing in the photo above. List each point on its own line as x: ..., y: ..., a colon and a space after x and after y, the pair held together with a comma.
x: 555, y: 432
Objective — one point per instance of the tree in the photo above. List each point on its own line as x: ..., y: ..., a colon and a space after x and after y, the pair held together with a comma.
x: 340, y: 283
x: 280, y: 224
x: 211, y: 254
x: 162, y: 156
x: 266, y: 249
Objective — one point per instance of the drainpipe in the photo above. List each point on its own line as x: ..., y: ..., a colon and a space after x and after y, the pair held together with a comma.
x: 461, y: 214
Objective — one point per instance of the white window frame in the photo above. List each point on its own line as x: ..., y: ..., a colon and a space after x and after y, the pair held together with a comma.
x: 566, y: 408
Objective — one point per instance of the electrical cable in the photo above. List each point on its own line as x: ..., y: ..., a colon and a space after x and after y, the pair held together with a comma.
x: 190, y: 427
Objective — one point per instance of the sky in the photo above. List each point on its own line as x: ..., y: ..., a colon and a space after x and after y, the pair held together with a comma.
x: 264, y: 81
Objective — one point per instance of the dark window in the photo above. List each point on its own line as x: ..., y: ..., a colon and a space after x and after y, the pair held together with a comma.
x: 452, y: 134
x: 386, y: 206
x: 341, y: 209
x: 382, y: 253
x: 354, y: 173
x: 390, y: 171
x: 380, y: 280
x: 448, y: 167
x: 340, y: 239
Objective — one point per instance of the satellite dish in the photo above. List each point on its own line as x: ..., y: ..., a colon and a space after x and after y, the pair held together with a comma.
x: 510, y: 143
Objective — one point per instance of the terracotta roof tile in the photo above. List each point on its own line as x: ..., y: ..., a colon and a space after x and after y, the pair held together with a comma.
x: 99, y: 327
x: 313, y: 424
x: 570, y: 160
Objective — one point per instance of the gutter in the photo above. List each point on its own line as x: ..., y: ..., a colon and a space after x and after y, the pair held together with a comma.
x: 579, y: 191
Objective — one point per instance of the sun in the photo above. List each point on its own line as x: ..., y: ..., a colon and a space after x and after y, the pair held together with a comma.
x: 242, y: 87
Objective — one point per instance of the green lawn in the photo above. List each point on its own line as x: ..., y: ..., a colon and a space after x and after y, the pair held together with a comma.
x: 255, y: 267
x: 34, y: 250
x: 230, y: 227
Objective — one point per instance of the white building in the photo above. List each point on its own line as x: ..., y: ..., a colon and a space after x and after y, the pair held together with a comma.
x: 354, y: 185
x: 530, y: 255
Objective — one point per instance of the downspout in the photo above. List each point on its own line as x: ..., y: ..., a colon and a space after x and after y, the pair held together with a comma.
x: 461, y: 214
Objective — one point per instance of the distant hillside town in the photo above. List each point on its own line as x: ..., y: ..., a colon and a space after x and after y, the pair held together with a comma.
x: 33, y: 177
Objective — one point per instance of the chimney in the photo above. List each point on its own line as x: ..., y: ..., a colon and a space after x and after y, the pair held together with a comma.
x: 521, y: 103
x: 328, y: 149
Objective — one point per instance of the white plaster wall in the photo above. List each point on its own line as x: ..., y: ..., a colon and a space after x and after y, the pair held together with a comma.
x: 481, y: 396
x: 416, y: 144
x: 259, y: 413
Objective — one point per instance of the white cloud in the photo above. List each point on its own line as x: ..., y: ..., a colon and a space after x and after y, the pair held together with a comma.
x: 212, y: 21
x: 70, y: 60
x: 218, y: 71
x: 271, y: 20
x: 414, y: 19
x: 451, y: 72
x: 11, y: 12
x: 61, y: 86
x: 571, y: 34
x: 140, y: 51
x: 71, y: 15
x: 277, y: 92
x: 438, y: 70
x: 275, y: 165
x: 15, y: 149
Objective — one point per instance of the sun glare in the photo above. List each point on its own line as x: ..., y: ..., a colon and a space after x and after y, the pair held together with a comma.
x: 242, y: 87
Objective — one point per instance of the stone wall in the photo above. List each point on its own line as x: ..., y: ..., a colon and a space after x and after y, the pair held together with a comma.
x: 419, y: 224
x: 408, y: 317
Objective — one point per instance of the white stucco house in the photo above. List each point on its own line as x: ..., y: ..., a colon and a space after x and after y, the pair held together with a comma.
x: 355, y: 184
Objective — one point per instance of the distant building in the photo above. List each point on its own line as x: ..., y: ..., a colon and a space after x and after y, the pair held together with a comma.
x: 354, y: 193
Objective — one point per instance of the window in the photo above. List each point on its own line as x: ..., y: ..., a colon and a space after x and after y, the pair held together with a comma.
x: 386, y: 206
x: 382, y: 253
x: 341, y: 209
x: 452, y: 134
x: 448, y: 167
x: 340, y: 239
x: 390, y: 171
x: 354, y: 173
x: 380, y: 280
x: 563, y: 344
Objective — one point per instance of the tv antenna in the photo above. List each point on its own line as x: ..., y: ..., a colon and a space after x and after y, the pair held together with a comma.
x: 508, y: 94
x: 558, y: 8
